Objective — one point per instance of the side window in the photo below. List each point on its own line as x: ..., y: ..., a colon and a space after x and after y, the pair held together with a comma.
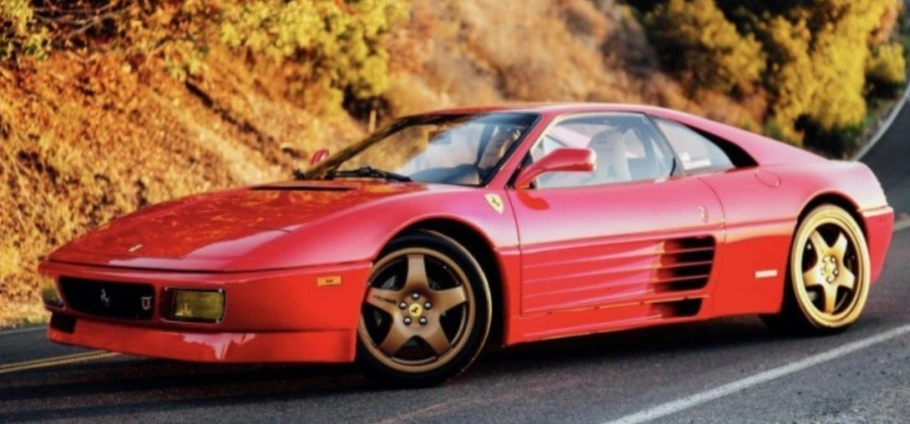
x: 696, y: 152
x: 628, y: 147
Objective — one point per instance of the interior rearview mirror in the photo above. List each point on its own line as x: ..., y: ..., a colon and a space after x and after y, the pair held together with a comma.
x: 559, y: 160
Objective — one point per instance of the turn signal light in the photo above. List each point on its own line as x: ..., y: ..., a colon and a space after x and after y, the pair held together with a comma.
x: 197, y: 305
x: 49, y: 292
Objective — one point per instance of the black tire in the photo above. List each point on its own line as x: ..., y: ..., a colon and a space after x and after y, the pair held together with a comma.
x: 828, y: 279
x: 443, y: 259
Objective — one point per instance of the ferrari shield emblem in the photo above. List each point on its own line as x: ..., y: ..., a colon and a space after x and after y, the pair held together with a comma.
x: 415, y: 310
x: 495, y: 202
x: 146, y: 303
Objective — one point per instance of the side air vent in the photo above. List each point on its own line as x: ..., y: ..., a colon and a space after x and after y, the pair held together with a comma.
x: 677, y: 308
x: 685, y: 264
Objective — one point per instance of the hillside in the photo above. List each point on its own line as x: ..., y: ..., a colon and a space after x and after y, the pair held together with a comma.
x: 109, y: 106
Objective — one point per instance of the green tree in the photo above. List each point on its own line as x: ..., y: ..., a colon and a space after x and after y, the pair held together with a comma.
x: 694, y: 38
x: 887, y: 65
x: 816, y: 58
x: 341, y: 41
x: 819, y: 53
x: 17, y: 31
x: 336, y: 47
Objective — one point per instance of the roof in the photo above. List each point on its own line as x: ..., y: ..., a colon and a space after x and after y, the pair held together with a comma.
x: 552, y: 108
x: 764, y: 150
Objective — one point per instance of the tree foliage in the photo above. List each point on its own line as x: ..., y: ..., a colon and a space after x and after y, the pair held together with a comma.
x: 821, y: 53
x: 16, y: 32
x: 817, y: 58
x: 695, y: 38
x: 887, y: 65
x: 336, y: 45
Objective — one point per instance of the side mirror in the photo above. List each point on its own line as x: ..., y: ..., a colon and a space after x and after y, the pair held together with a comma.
x: 319, y: 156
x: 560, y: 160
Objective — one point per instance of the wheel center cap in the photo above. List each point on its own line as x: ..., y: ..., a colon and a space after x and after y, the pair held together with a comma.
x: 829, y: 268
x: 415, y: 310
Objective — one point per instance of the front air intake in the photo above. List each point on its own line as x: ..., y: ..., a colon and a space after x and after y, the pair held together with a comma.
x: 109, y: 299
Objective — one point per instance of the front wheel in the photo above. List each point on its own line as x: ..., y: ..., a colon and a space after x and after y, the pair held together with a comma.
x: 426, y: 313
x: 829, y: 277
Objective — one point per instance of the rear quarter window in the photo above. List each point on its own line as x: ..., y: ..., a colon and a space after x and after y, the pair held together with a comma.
x: 697, y: 153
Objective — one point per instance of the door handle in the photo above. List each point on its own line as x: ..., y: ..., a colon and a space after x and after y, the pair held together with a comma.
x: 703, y: 212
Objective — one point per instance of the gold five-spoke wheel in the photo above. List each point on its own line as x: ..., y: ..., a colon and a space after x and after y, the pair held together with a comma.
x: 829, y: 274
x: 827, y: 278
x: 421, y: 310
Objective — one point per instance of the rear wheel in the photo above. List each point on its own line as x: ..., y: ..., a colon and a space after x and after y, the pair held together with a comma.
x: 828, y: 281
x: 426, y: 313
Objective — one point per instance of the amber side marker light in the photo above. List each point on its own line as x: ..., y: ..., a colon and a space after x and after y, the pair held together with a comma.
x: 197, y: 305
x: 49, y: 292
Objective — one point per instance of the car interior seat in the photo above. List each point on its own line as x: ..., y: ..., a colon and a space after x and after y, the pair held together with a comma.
x: 612, y: 164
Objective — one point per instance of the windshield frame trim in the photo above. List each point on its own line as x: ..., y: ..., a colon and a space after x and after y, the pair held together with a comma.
x: 371, y: 139
x: 515, y: 145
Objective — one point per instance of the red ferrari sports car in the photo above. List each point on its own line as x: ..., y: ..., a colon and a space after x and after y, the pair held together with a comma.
x: 444, y: 232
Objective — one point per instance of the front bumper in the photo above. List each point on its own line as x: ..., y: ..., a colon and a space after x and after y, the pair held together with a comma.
x: 270, y: 316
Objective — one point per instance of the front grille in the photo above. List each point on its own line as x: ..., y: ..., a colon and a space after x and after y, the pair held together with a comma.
x: 109, y: 299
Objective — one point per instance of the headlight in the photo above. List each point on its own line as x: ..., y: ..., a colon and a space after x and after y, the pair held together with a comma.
x: 197, y: 305
x: 49, y: 292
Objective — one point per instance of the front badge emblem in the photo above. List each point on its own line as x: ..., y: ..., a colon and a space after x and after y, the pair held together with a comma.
x: 146, y: 303
x: 495, y: 202
x: 105, y: 299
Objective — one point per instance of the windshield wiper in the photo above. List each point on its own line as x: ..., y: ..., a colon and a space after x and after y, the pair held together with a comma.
x: 368, y: 172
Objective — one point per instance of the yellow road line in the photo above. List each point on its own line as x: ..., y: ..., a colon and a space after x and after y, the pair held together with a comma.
x: 55, y: 361
x: 22, y: 330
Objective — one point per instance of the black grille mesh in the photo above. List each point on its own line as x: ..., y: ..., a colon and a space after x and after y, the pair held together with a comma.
x: 109, y: 299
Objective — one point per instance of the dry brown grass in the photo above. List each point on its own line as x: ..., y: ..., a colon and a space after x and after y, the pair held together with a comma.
x: 82, y: 142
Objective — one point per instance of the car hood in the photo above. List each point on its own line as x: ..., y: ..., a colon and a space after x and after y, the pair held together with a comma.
x: 205, y: 232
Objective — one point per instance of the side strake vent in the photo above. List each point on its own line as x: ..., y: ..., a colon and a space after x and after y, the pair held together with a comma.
x: 676, y: 308
x: 685, y: 264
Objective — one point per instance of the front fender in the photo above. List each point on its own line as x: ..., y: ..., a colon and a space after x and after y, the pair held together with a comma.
x: 360, y: 233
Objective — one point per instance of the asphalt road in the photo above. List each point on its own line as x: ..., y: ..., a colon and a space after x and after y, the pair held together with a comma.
x: 586, y: 380
x: 890, y: 159
x: 731, y: 370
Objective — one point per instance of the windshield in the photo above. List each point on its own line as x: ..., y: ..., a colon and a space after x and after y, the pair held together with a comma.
x: 448, y: 149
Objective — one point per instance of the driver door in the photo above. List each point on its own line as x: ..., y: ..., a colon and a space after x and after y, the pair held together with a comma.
x: 601, y: 249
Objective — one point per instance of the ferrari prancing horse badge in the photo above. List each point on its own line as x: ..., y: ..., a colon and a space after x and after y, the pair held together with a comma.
x: 495, y: 202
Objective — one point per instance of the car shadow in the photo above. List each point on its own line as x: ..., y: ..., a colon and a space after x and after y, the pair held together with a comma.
x: 132, y: 385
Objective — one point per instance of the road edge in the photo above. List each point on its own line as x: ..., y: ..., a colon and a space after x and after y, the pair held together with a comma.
x: 886, y: 126
x: 19, y: 330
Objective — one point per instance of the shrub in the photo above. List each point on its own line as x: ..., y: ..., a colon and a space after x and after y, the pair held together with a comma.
x: 339, y: 42
x: 17, y: 32
x: 695, y: 39
x: 887, y: 65
x: 336, y: 46
x: 816, y: 58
